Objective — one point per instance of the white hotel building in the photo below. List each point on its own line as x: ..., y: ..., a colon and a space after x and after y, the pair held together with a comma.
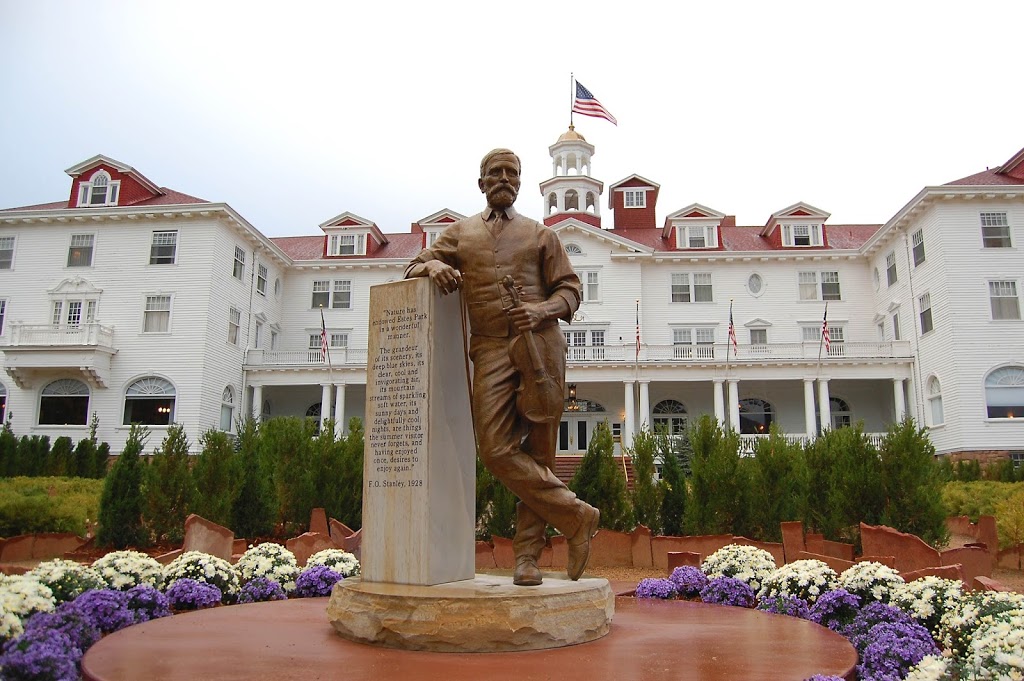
x: 135, y: 302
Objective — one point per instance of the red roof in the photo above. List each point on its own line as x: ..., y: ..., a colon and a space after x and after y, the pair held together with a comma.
x: 986, y: 177
x: 403, y: 246
x: 168, y: 198
x: 741, y: 239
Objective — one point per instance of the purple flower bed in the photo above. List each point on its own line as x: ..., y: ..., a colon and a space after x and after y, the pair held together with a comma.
x: 261, y: 589
x: 188, y: 594
x: 656, y: 588
x: 147, y: 603
x: 835, y: 609
x: 688, y: 580
x: 785, y: 605
x: 67, y: 619
x: 859, y: 630
x: 107, y: 608
x: 892, y: 648
x: 40, y: 654
x: 728, y: 591
x: 316, y: 582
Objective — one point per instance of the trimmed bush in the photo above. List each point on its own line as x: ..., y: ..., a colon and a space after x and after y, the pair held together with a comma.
x: 169, y: 489
x: 121, y: 505
x: 601, y: 482
x: 31, y: 505
x: 216, y: 477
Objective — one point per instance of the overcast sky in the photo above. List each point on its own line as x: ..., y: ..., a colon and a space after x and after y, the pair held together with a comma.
x: 295, y: 112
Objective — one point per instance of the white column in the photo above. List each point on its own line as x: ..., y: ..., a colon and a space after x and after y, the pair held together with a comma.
x: 913, y: 408
x: 720, y: 401
x: 810, y: 425
x: 257, y: 401
x: 630, y: 420
x: 734, y: 404
x: 824, y: 409
x: 645, y: 405
x: 901, y: 403
x: 339, y: 410
x: 325, y: 403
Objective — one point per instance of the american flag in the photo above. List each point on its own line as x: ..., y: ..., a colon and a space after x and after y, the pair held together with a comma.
x: 732, y: 332
x: 586, y: 103
x: 638, y: 330
x: 323, y: 338
x: 824, y: 329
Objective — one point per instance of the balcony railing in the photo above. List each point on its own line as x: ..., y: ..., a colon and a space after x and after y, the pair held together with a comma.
x: 310, y: 357
x: 60, y: 335
x: 748, y: 442
x: 716, y: 352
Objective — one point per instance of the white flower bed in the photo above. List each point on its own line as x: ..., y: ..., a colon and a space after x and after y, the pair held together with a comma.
x: 340, y: 561
x: 66, y: 578
x: 746, y: 563
x: 203, y: 567
x: 997, y: 648
x: 959, y: 625
x: 20, y: 597
x: 870, y: 580
x: 930, y: 668
x: 927, y: 599
x: 123, y: 570
x: 269, y: 560
x: 806, y: 579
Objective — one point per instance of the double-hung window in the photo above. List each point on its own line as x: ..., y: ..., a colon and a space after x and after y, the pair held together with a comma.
x: 164, y: 248
x: 99, y: 191
x: 234, y: 325
x: 3, y: 313
x: 321, y: 294
x: 698, y: 236
x: 591, y: 281
x: 6, y: 252
x: 238, y: 268
x: 995, y: 230
x: 634, y: 198
x: 342, y: 297
x: 347, y: 244
x: 830, y: 286
x: 80, y: 252
x: 1003, y: 298
x: 157, y: 315
x: 808, y: 283
x: 801, y: 235
x: 261, y: 280
x: 925, y: 306
x: 917, y: 239
x: 692, y: 287
x: 890, y: 268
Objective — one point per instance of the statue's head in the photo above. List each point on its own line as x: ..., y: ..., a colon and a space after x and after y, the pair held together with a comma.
x: 499, y: 177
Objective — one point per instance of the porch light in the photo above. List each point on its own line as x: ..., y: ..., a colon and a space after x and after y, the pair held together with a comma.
x: 573, y: 405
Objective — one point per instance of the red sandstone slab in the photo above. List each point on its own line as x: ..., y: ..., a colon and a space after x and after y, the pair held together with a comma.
x: 705, y: 545
x: 17, y: 549
x: 609, y: 548
x: 484, y: 556
x: 559, y: 552
x: 682, y: 558
x: 305, y: 545
x: 547, y: 557
x: 649, y: 640
x: 208, y: 537
x: 641, y: 547
x: 1012, y: 558
x: 353, y: 543
x: 989, y: 584
x: 167, y: 558
x: 838, y: 549
x: 318, y: 522
x: 792, y: 539
x: 339, y: 531
x: 943, y: 571
x: 837, y: 564
x: 504, y: 556
x: 774, y: 548
x: 911, y: 552
x: 888, y: 561
x: 815, y: 543
x: 50, y: 545
x: 974, y: 561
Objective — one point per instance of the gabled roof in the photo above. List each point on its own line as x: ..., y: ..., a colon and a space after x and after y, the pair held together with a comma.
x: 397, y: 246
x: 445, y: 215
x: 743, y: 239
x: 694, y: 211
x: 100, y: 159
x: 797, y: 210
x: 347, y: 219
x: 166, y: 197
x: 613, y: 236
x: 1010, y: 173
x: 642, y: 182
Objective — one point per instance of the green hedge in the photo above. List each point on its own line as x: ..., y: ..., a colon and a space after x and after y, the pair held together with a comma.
x: 30, y: 505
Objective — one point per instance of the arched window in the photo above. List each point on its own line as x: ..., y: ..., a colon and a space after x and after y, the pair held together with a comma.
x: 573, y: 249
x: 99, y: 190
x: 670, y: 417
x: 755, y: 416
x: 591, y: 206
x: 227, y: 409
x: 935, y: 402
x: 314, y: 411
x: 552, y: 203
x: 1004, y: 393
x: 842, y: 415
x: 65, y: 402
x: 570, y: 165
x: 149, y: 401
x: 572, y: 200
x: 3, y: 403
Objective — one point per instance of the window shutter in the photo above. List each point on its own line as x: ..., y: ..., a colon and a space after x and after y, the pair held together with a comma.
x: 815, y: 235
x: 83, y: 193
x: 787, y: 236
x: 112, y: 198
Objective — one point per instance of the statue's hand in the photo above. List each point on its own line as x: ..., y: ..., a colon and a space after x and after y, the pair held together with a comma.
x: 445, y: 277
x: 527, y: 316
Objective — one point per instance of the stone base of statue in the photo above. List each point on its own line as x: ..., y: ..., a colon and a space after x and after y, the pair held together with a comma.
x: 486, y: 614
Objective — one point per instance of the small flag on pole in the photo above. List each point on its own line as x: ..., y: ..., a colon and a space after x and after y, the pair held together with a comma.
x: 638, y: 330
x: 323, y: 337
x: 732, y: 333
x: 586, y: 103
x: 824, y: 329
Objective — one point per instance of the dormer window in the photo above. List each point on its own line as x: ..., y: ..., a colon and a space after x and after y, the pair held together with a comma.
x: 697, y: 236
x: 100, y: 190
x: 347, y: 244
x: 801, y: 235
x: 634, y: 198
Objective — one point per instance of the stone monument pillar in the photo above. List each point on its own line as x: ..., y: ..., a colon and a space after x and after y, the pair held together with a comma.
x: 419, y: 469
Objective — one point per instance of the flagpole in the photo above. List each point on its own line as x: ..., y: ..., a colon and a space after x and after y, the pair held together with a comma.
x: 821, y: 336
x: 572, y: 95
x: 728, y: 339
x: 326, y: 346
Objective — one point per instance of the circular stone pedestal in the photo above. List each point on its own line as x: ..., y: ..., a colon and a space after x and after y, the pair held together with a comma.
x: 483, y: 615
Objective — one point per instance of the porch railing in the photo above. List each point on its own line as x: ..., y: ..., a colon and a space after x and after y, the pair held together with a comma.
x: 60, y: 335
x: 748, y: 442
x: 309, y: 357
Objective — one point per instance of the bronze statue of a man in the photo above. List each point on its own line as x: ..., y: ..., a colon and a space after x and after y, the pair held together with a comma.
x: 518, y: 446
